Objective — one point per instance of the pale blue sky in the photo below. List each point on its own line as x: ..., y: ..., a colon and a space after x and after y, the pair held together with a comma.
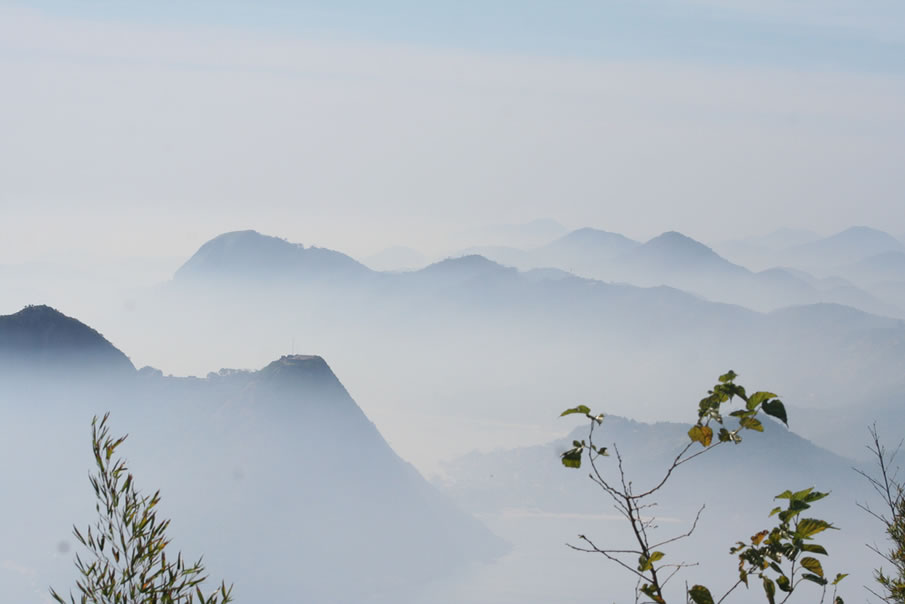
x: 147, y: 127
x: 863, y: 35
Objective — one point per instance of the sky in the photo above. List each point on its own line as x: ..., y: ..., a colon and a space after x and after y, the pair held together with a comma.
x: 140, y: 130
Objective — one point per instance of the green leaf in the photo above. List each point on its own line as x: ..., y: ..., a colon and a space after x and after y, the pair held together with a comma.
x: 701, y: 434
x: 648, y: 590
x: 802, y: 494
x: 813, y: 548
x: 730, y: 390
x: 839, y: 577
x: 776, y: 409
x: 808, y: 527
x: 700, y: 595
x: 784, y: 583
x: 815, y: 496
x: 770, y: 590
x: 579, y: 409
x: 728, y: 376
x: 724, y: 435
x: 814, y: 578
x: 645, y: 563
x: 757, y: 398
x: 572, y: 458
x: 751, y: 423
x: 813, y: 565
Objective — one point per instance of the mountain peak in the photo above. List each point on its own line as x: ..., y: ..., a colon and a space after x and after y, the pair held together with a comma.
x: 586, y: 248
x: 39, y: 336
x: 469, y: 265
x: 672, y: 253
x: 303, y: 373
x: 253, y: 255
x: 844, y: 248
x: 867, y: 235
x: 590, y: 235
x: 862, y: 230
x: 676, y: 242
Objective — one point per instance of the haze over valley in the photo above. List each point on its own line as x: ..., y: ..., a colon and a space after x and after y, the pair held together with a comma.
x: 338, y: 269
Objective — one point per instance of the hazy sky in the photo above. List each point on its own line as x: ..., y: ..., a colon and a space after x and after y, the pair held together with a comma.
x: 143, y: 129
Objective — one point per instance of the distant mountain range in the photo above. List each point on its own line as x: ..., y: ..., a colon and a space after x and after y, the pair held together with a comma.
x: 533, y: 477
x: 670, y: 259
x: 678, y: 261
x: 736, y: 485
x: 851, y: 245
x: 546, y: 335
x: 279, y: 466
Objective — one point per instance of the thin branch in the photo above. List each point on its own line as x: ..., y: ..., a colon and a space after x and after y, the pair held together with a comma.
x: 731, y: 589
x: 609, y: 557
x: 694, y: 525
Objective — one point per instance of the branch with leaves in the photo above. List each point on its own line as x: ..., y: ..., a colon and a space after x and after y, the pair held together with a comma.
x: 644, y: 558
x: 892, y: 494
x: 127, y: 559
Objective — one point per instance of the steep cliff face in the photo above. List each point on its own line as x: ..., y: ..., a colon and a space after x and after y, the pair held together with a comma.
x: 338, y: 501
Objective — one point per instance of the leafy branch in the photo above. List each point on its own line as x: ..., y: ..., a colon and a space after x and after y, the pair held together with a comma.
x: 127, y: 560
x: 644, y: 558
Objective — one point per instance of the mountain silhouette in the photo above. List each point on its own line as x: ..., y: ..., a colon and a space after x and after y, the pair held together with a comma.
x: 252, y: 255
x: 40, y: 338
x: 673, y: 253
x: 843, y: 248
x: 591, y: 242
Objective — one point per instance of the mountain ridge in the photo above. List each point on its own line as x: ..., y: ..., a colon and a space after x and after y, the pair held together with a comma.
x: 264, y: 257
x: 46, y: 339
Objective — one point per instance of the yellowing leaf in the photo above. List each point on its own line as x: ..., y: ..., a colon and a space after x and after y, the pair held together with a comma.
x: 701, y: 434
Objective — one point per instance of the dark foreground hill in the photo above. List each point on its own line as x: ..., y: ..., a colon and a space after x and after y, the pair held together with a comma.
x: 276, y: 475
x: 42, y: 337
